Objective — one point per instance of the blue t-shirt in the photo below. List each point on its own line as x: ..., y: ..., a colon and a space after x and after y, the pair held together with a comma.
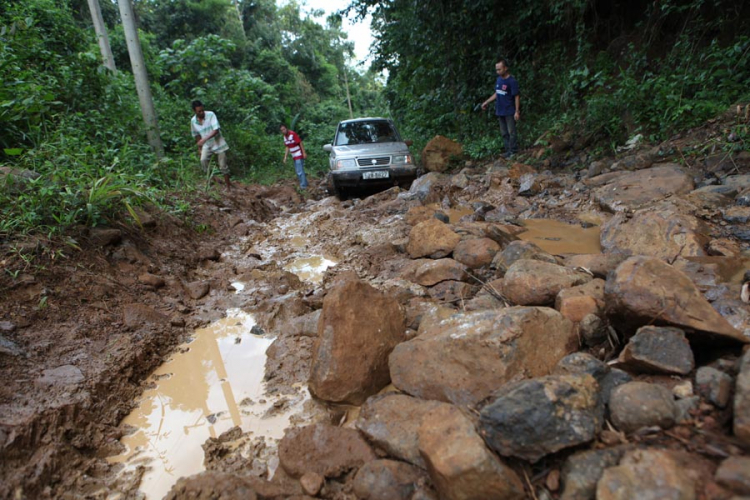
x: 506, y: 90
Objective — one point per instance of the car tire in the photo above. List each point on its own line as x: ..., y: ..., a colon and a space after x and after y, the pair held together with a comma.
x: 334, y: 189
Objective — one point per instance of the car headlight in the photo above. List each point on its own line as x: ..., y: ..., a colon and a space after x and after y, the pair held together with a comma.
x: 402, y: 159
x: 345, y: 164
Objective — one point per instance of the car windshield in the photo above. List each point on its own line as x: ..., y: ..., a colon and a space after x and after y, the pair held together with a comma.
x: 367, y: 132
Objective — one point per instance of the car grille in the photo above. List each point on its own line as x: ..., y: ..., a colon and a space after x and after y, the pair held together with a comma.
x: 374, y: 162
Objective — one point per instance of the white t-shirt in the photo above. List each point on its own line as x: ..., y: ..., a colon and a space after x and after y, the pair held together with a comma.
x: 216, y: 144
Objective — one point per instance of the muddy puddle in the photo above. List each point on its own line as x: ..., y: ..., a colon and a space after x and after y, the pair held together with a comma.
x: 560, y: 238
x: 213, y: 383
x: 310, y: 269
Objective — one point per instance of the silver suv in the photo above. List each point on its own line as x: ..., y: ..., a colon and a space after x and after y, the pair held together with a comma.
x: 368, y: 152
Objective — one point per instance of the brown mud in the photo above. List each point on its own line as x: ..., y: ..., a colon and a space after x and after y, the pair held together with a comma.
x: 116, y: 351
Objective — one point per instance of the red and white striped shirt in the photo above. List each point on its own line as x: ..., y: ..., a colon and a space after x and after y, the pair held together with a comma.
x: 292, y: 141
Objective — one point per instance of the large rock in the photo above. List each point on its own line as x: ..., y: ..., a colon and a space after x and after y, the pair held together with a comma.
x: 580, y: 301
x: 741, y: 425
x: 656, y: 349
x: 433, y: 272
x: 431, y: 238
x: 391, y: 422
x: 465, y: 357
x: 358, y: 329
x: 645, y: 290
x: 517, y: 250
x: 637, y: 189
x: 475, y: 253
x: 388, y: 480
x: 323, y: 449
x: 647, y: 474
x: 533, y: 418
x: 460, y: 465
x: 425, y: 188
x: 662, y: 233
x: 536, y: 283
x: 639, y: 404
x: 437, y: 154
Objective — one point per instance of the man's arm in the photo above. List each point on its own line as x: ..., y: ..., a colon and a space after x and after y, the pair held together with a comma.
x: 302, y: 148
x: 517, y: 115
x: 208, y: 136
x: 489, y: 100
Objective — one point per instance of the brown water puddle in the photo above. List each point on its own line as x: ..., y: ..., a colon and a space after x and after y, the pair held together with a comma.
x: 310, y: 269
x: 560, y: 238
x: 212, y: 384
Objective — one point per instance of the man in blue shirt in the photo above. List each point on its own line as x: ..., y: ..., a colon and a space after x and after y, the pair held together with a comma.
x: 507, y: 106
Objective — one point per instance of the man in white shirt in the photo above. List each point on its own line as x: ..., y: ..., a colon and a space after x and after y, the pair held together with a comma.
x: 205, y: 128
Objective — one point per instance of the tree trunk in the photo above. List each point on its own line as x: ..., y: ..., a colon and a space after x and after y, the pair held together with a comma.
x: 101, y: 35
x: 141, y: 76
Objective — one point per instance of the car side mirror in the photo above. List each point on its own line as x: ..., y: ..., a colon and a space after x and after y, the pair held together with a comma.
x: 408, y: 142
x: 328, y: 148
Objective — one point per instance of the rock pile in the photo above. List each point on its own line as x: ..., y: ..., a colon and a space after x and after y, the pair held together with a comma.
x: 522, y: 373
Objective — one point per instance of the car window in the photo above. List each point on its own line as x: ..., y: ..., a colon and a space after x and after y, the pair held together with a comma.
x: 365, y: 133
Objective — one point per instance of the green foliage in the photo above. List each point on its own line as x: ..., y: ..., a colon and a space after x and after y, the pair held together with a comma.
x: 78, y: 127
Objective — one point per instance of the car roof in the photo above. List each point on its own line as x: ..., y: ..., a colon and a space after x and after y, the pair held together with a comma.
x: 365, y: 119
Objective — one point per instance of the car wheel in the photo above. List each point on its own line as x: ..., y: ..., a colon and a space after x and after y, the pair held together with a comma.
x: 334, y: 189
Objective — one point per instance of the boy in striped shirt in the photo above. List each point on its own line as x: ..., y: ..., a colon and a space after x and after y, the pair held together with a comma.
x: 294, y: 145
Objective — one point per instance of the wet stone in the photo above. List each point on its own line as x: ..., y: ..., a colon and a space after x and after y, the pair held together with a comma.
x: 517, y: 250
x: 388, y: 480
x: 533, y: 282
x: 741, y: 425
x: 652, y: 474
x: 614, y: 378
x: 565, y: 410
x: 635, y: 294
x: 357, y: 330
x: 323, y: 449
x: 198, y: 289
x: 433, y: 239
x: 737, y: 215
x: 529, y: 185
x: 460, y: 465
x: 391, y: 422
x: 464, y: 358
x: 600, y: 264
x: 658, y: 350
x: 582, y: 471
x: 476, y: 253
x: 433, y: 272
x: 734, y: 473
x: 639, y: 404
x: 713, y: 385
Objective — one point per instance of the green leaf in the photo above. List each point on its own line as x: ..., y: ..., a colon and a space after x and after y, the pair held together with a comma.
x: 13, y: 151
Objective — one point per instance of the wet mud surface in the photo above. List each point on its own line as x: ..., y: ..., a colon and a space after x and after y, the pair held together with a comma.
x: 186, y: 346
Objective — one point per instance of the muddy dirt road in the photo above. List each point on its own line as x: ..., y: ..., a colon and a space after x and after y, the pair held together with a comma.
x: 280, y: 347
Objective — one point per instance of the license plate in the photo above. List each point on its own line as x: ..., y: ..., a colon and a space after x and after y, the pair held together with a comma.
x: 376, y: 174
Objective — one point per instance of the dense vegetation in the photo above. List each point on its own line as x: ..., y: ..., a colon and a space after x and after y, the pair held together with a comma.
x: 596, y: 70
x: 79, y: 125
x: 601, y: 69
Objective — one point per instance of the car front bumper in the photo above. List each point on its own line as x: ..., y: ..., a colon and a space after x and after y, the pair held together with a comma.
x: 353, y: 178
